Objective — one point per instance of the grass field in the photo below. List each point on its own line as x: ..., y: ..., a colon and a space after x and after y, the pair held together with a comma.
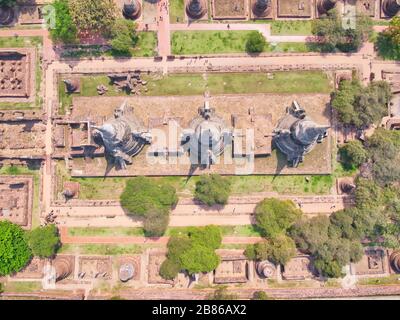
x: 176, y: 11
x: 13, y: 171
x: 221, y: 83
x: 392, y: 279
x: 240, y: 231
x: 291, y: 28
x: 111, y: 188
x: 22, y: 286
x: 104, y: 249
x: 211, y: 42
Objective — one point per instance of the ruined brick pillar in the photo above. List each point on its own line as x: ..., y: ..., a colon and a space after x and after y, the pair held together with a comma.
x: 131, y: 9
x: 196, y: 9
x: 262, y: 8
x: 391, y: 7
x: 324, y: 6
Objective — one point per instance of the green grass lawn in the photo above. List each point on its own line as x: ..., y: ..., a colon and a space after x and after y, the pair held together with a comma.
x: 244, y: 231
x: 176, y: 11
x: 35, y: 172
x: 104, y: 249
x: 20, y: 42
x: 216, y: 83
x: 209, y: 42
x: 291, y: 27
x: 22, y: 286
x: 392, y: 279
x: 202, y: 42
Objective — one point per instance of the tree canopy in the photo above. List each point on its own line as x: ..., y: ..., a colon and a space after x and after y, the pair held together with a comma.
x: 193, y: 252
x: 388, y: 41
x: 124, y: 36
x: 255, y: 42
x: 361, y: 106
x: 8, y: 3
x: 64, y: 29
x: 275, y: 216
x: 44, y: 241
x: 93, y: 15
x: 146, y: 198
x: 353, y: 154
x: 14, y: 250
x: 212, y: 189
x: 336, y: 36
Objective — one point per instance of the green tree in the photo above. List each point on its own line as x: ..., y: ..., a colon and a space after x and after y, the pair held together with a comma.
x: 169, y: 269
x: 199, y: 258
x: 353, y: 154
x: 255, y: 42
x: 14, y: 250
x: 96, y: 16
x: 146, y: 198
x: 124, y: 36
x: 8, y: 3
x: 193, y: 251
x: 156, y: 222
x: 388, y: 41
x: 64, y: 29
x: 281, y: 249
x: 275, y: 216
x: 212, y: 189
x: 336, y: 36
x: 361, y: 106
x: 368, y: 194
x: 44, y: 241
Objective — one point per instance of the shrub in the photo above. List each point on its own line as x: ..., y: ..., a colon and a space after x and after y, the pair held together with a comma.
x: 169, y: 269
x: 44, y: 241
x: 212, y: 189
x: 144, y: 197
x: 124, y: 36
x: 64, y: 29
x: 14, y: 250
x: 260, y: 295
x: 275, y: 216
x: 354, y: 154
x: 255, y: 42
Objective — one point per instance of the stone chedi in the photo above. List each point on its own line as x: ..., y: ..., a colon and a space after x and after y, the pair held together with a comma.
x: 324, y: 6
x: 265, y: 269
x: 262, y: 8
x: 391, y: 7
x: 206, y: 138
x: 6, y: 15
x: 63, y: 268
x: 195, y: 9
x: 131, y: 9
x: 395, y: 261
x: 126, y: 272
x: 296, y: 134
x: 121, y: 136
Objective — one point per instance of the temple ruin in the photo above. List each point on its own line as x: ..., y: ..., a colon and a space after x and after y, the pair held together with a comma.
x: 123, y: 136
x: 262, y: 8
x: 131, y: 9
x: 6, y: 15
x: 323, y: 6
x: 207, y: 137
x: 296, y: 134
x: 196, y: 9
x: 391, y: 7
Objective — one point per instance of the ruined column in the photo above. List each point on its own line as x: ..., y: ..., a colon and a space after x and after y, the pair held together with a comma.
x: 325, y: 5
x: 195, y: 9
x: 131, y: 9
x: 6, y: 15
x: 391, y: 7
x: 262, y: 8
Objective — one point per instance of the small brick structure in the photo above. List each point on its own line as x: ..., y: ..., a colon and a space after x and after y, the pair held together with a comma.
x: 230, y: 9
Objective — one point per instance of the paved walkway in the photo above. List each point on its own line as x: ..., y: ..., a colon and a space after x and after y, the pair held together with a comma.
x: 164, y: 34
